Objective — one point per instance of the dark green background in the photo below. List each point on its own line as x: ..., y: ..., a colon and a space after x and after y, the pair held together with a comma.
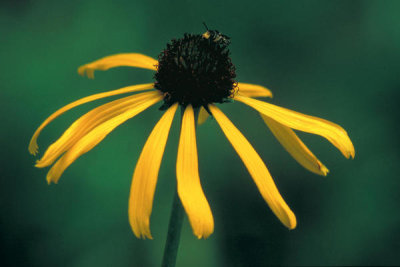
x: 338, y: 60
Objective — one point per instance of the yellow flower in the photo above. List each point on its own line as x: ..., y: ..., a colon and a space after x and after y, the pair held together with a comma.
x: 194, y: 72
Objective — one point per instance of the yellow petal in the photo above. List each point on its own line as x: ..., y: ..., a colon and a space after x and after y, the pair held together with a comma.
x: 187, y: 174
x: 253, y: 90
x: 256, y: 168
x: 292, y: 143
x: 295, y: 120
x: 86, y: 123
x: 118, y: 60
x: 146, y: 174
x: 33, y: 147
x: 95, y: 136
x: 203, y: 116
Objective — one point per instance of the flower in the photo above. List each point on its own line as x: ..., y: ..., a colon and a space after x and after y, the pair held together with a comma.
x: 193, y: 72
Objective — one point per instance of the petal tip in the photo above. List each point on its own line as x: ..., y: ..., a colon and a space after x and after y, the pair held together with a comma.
x: 140, y: 229
x: 42, y: 164
x: 292, y: 223
x: 204, y: 229
x: 205, y: 234
x: 142, y: 235
x: 38, y: 164
x: 146, y: 236
x: 324, y: 170
x: 33, y: 149
x: 352, y: 153
x: 287, y: 218
x: 51, y: 178
x: 81, y: 70
x: 85, y: 69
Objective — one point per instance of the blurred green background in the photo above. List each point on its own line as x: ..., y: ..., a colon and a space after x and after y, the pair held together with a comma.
x: 338, y: 60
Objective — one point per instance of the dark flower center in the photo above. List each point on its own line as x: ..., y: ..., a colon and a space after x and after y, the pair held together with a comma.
x: 196, y: 69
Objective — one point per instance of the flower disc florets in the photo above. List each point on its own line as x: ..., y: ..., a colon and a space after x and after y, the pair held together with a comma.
x: 196, y: 70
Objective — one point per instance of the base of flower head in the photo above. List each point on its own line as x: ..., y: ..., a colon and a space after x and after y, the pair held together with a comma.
x: 195, y: 70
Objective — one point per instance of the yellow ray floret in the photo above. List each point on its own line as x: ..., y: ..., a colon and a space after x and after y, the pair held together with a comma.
x: 253, y: 90
x: 187, y: 174
x: 295, y: 120
x: 118, y: 60
x: 244, y: 89
x: 33, y: 147
x: 292, y: 143
x: 145, y: 176
x: 86, y: 123
x: 95, y: 136
x: 256, y: 168
x: 203, y: 116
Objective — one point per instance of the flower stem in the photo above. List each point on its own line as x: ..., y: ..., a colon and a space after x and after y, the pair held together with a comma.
x: 174, y: 233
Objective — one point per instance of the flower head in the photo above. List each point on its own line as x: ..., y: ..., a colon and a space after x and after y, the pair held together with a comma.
x: 193, y: 72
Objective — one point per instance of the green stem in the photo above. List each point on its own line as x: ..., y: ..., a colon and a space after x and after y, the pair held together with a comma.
x: 174, y: 233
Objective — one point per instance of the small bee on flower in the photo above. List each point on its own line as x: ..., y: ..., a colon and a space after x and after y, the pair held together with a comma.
x: 196, y: 73
x: 216, y: 36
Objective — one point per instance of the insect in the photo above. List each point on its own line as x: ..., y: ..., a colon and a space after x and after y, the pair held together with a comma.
x: 216, y: 36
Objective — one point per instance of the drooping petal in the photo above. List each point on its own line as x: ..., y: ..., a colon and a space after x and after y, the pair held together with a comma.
x: 245, y: 89
x: 145, y: 176
x: 256, y: 168
x: 187, y: 174
x: 203, y: 116
x: 295, y: 120
x: 118, y: 60
x: 253, y: 90
x: 95, y: 136
x: 33, y: 147
x: 86, y: 123
x: 292, y: 143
